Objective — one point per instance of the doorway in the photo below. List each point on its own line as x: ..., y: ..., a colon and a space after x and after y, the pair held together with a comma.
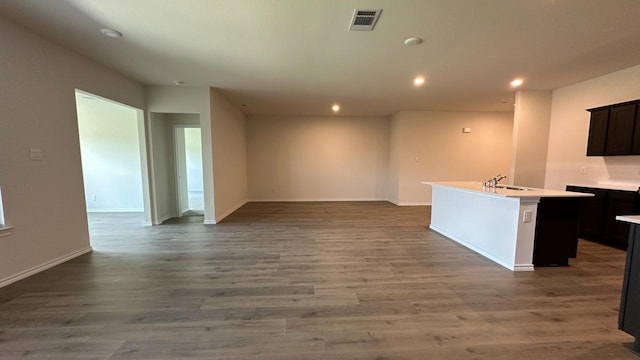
x: 113, y: 156
x: 189, y: 176
x: 177, y: 170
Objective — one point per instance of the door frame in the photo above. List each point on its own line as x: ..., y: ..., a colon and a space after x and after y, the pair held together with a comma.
x: 179, y: 149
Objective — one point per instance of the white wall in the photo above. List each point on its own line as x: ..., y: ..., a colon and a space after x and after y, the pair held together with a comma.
x: 530, y: 138
x: 110, y: 155
x: 430, y: 146
x: 569, y: 131
x: 317, y: 158
x: 44, y: 200
x: 174, y: 99
x: 228, y: 130
x: 163, y: 167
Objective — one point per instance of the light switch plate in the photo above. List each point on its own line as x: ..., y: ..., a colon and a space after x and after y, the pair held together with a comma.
x: 35, y: 154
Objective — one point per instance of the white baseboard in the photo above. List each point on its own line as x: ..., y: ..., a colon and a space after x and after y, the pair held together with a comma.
x: 162, y: 219
x: 210, y: 222
x: 525, y: 267
x: 115, y: 210
x: 230, y: 211
x: 512, y: 267
x: 47, y: 265
x: 406, y: 203
x: 314, y: 200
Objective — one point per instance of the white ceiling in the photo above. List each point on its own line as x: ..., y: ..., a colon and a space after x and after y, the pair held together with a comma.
x: 297, y: 57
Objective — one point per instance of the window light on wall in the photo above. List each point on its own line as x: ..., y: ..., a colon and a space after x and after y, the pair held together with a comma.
x: 4, y: 229
x: 1, y: 212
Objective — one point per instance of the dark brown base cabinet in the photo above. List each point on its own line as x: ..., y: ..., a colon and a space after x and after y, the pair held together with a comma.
x: 629, y: 320
x: 598, y: 215
x: 556, y: 238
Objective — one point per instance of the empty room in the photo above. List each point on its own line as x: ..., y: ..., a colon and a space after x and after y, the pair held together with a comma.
x: 319, y: 179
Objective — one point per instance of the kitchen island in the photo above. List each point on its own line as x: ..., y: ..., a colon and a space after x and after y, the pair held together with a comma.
x: 505, y: 224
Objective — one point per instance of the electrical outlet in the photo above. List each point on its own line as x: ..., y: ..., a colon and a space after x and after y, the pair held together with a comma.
x: 93, y: 197
x: 583, y: 171
x: 527, y: 216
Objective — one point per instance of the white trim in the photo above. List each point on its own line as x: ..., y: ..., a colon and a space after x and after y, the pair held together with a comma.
x: 314, y: 200
x: 229, y: 212
x: 6, y: 231
x: 210, y: 222
x: 163, y: 219
x: 414, y: 203
x: 47, y: 265
x: 147, y: 223
x: 523, y: 267
x: 115, y: 210
x: 512, y: 267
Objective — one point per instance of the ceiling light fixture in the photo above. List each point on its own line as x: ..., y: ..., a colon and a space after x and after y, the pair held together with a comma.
x: 418, y: 81
x: 335, y: 108
x: 111, y: 33
x: 413, y: 41
x: 517, y: 82
x: 178, y: 83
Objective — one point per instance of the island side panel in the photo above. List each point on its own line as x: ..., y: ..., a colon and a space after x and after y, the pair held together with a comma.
x: 526, y: 234
x: 484, y: 223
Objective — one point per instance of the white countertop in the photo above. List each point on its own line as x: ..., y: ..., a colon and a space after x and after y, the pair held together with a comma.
x: 476, y: 186
x: 634, y: 219
x: 609, y: 185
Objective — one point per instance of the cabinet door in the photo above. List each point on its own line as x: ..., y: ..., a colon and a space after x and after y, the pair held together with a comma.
x: 635, y: 147
x: 620, y: 130
x: 556, y: 238
x: 597, y: 132
x: 592, y: 212
x: 618, y: 203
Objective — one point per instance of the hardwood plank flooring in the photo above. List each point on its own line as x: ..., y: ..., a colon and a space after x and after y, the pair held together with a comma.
x: 353, y: 280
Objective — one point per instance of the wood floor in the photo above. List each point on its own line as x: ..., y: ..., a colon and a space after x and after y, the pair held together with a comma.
x: 309, y: 281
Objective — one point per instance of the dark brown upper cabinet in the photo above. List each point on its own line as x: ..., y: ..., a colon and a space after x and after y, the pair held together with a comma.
x: 615, y: 130
x: 620, y: 130
x: 635, y: 145
x: 597, y: 132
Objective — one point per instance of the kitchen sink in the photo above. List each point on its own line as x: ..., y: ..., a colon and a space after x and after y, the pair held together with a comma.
x: 509, y: 187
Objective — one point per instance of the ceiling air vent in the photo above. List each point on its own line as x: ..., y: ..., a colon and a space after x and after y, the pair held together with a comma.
x: 364, y: 19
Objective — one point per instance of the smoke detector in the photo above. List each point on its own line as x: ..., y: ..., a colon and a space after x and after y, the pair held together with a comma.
x: 413, y: 41
x: 364, y: 19
x: 111, y: 33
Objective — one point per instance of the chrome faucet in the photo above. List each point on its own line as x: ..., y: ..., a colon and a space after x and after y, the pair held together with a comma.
x: 493, y: 182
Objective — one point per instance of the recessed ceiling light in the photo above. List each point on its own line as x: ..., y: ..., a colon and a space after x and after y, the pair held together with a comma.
x: 335, y: 108
x: 418, y: 81
x: 111, y: 33
x: 517, y: 82
x: 413, y: 41
x: 178, y: 83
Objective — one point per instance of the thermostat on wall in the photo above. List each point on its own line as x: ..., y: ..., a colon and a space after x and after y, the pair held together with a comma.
x: 466, y: 130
